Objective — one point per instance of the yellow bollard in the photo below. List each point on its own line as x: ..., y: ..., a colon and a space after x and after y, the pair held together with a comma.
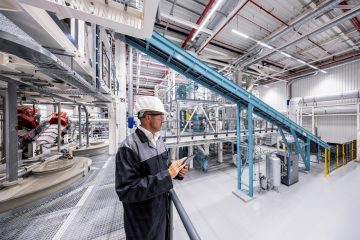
x: 337, y: 156
x: 356, y: 149
x: 329, y: 161
x: 325, y: 162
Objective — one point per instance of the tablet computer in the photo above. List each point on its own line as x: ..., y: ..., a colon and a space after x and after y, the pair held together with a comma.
x: 188, y: 159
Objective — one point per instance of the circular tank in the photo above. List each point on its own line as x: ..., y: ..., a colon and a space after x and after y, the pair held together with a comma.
x: 275, y: 165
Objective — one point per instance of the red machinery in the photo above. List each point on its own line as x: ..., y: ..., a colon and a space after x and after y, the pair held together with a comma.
x: 27, y: 117
x: 63, y: 119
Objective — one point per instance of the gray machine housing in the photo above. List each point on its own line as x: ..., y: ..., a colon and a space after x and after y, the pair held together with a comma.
x: 289, y: 174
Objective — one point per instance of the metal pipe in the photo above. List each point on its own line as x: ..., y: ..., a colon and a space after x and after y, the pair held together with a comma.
x: 207, y: 8
x: 79, y: 110
x: 190, y: 229
x: 130, y: 87
x: 97, y: 57
x: 307, y: 17
x: 320, y: 29
x: 233, y: 13
x: 59, y: 127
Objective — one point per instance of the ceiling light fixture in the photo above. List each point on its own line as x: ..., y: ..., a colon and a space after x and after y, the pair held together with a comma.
x: 300, y: 61
x: 313, y: 67
x: 240, y: 34
x: 286, y: 55
x: 265, y: 45
x: 323, y: 71
x: 216, y: 6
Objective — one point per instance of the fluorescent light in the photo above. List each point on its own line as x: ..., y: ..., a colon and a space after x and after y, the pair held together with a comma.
x: 313, y: 67
x: 217, y: 4
x: 265, y: 86
x: 300, y: 61
x: 240, y: 34
x: 265, y: 45
x: 286, y: 55
x: 323, y: 71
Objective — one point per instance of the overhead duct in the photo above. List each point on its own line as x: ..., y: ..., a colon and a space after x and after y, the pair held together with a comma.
x: 330, y: 97
x: 331, y: 110
x: 297, y: 23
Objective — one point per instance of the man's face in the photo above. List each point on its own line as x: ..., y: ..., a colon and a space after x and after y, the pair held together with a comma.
x: 156, y: 119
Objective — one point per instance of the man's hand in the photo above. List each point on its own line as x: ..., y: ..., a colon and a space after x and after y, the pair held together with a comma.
x: 176, y: 167
x: 184, y: 171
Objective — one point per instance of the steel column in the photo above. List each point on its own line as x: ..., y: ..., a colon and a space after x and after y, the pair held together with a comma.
x: 238, y: 145
x: 308, y: 154
x: 250, y: 150
x: 11, y: 140
x: 299, y: 150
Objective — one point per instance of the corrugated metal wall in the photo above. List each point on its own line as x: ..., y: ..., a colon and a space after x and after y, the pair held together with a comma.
x: 336, y: 129
x: 275, y: 96
x: 339, y: 79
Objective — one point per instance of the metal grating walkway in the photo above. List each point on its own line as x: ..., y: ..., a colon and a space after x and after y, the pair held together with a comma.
x: 88, y: 209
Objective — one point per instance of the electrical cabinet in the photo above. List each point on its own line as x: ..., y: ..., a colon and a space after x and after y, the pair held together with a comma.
x: 289, y: 168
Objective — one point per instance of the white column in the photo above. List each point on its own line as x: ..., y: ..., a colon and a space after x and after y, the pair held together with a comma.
x: 112, y: 128
x: 220, y: 152
x: 173, y: 154
x: 117, y: 119
x: 206, y: 148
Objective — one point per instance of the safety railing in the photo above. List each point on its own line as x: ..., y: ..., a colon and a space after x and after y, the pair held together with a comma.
x: 190, y: 229
x: 339, y: 155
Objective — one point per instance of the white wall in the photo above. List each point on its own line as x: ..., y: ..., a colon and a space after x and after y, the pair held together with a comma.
x: 336, y: 129
x: 275, y: 96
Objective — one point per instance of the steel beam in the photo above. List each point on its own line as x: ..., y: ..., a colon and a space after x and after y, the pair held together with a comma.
x: 299, y: 149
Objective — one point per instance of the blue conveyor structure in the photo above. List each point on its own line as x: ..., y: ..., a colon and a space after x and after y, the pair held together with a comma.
x: 168, y: 53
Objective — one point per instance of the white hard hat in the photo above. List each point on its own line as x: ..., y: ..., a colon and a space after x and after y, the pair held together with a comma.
x: 149, y: 103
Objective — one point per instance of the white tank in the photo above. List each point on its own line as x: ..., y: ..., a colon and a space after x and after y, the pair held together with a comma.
x: 275, y: 165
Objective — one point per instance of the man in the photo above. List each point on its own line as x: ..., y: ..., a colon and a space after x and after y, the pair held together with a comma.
x: 144, y: 175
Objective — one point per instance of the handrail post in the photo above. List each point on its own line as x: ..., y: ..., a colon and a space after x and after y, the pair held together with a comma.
x: 171, y: 216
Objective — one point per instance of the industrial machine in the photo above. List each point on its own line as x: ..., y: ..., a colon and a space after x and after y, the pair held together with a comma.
x: 289, y: 167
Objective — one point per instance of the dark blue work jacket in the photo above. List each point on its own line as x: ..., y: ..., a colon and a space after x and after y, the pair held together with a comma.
x: 142, y: 184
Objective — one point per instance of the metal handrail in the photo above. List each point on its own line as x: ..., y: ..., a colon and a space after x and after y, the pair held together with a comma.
x: 190, y: 229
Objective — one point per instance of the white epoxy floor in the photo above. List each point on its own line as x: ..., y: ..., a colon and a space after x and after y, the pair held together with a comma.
x: 314, y: 208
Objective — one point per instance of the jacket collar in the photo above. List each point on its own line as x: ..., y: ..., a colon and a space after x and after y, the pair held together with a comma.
x: 141, y: 135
